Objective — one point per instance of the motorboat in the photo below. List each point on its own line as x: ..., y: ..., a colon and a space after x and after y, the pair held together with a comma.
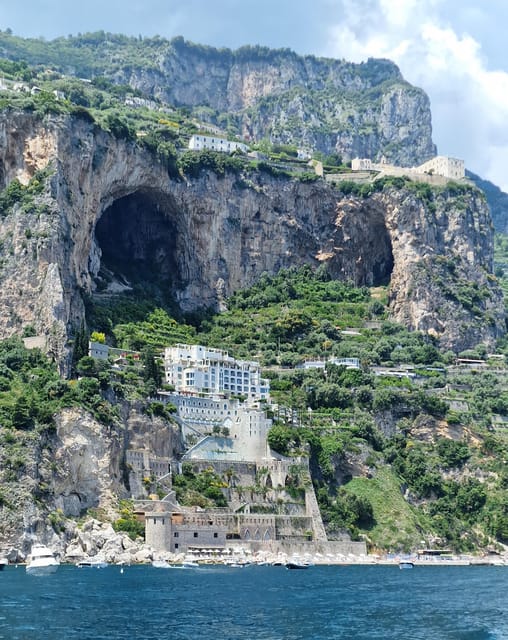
x: 42, y: 561
x: 163, y: 564
x: 406, y: 564
x: 95, y: 563
x: 3, y: 563
x: 297, y: 564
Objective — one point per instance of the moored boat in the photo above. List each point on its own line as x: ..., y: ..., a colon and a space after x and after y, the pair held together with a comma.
x: 163, y: 564
x: 406, y: 564
x: 297, y: 565
x: 96, y: 563
x: 42, y: 561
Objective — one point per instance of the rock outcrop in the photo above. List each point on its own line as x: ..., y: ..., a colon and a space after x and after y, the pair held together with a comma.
x: 78, y: 467
x: 332, y: 106
x: 111, y: 212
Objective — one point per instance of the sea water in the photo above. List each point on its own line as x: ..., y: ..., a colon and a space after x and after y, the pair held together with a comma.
x: 255, y: 603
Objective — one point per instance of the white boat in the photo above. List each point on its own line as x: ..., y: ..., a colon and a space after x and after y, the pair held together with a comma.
x: 163, y: 564
x: 160, y: 564
x: 406, y: 564
x: 3, y: 563
x: 42, y: 561
x: 96, y: 563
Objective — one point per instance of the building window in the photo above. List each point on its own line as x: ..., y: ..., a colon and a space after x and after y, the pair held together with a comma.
x: 195, y: 534
x: 176, y: 534
x: 215, y: 535
x: 176, y: 545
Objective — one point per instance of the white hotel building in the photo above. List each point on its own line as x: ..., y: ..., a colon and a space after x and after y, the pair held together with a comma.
x: 198, y: 369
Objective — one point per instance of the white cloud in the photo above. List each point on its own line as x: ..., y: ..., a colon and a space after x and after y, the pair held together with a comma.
x: 469, y: 100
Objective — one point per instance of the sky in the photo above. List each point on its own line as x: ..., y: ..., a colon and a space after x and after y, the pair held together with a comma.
x: 453, y: 49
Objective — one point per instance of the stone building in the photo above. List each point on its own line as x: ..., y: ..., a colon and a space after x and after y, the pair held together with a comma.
x: 452, y: 168
x: 144, y: 462
x: 444, y: 166
x: 361, y: 164
x: 176, y: 532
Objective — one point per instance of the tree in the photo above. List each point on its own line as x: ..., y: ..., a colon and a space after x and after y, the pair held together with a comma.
x: 453, y: 453
x: 279, y: 438
x: 119, y: 127
x: 151, y: 369
x: 471, y: 496
x: 80, y: 345
x: 21, y: 414
x: 86, y: 366
x: 98, y: 336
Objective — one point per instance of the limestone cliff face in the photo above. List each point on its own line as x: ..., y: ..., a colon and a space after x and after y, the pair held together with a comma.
x: 79, y: 466
x: 441, y: 281
x: 364, y: 110
x: 110, y: 206
x: 326, y: 105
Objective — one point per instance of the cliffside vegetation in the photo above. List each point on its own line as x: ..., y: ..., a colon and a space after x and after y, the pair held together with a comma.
x: 417, y: 455
x: 414, y: 456
x: 408, y: 450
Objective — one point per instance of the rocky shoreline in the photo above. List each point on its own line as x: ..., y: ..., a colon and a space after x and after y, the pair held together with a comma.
x: 96, y: 541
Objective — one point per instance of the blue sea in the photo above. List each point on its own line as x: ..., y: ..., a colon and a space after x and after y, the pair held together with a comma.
x: 255, y: 603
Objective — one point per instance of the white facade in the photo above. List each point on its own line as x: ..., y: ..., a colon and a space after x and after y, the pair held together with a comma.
x: 361, y: 164
x: 303, y: 154
x: 444, y: 166
x: 246, y: 440
x: 203, y: 413
x: 452, y: 168
x: 247, y: 426
x: 198, y: 369
x: 198, y: 142
x: 349, y: 363
x: 312, y: 364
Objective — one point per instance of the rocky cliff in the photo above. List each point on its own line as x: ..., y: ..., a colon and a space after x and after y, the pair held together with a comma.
x: 497, y: 200
x: 78, y: 466
x: 364, y: 110
x: 332, y: 106
x: 109, y: 207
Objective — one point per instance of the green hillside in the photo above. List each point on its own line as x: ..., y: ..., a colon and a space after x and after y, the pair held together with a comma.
x: 398, y: 459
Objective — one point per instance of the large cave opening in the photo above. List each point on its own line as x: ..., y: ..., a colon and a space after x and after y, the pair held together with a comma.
x: 365, y: 253
x: 379, y: 253
x: 138, y: 240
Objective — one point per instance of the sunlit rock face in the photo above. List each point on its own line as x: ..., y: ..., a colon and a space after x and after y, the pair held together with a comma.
x: 364, y: 110
x: 111, y: 218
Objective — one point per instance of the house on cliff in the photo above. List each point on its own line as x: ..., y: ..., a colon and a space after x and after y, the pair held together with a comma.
x: 215, y: 143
